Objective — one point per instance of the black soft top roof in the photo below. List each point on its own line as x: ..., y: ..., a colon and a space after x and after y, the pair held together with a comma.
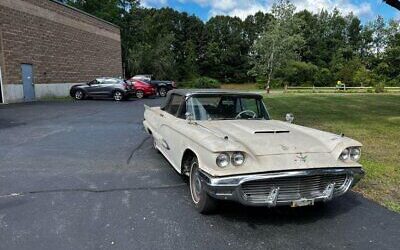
x: 191, y: 92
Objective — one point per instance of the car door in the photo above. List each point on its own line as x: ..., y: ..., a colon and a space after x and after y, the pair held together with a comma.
x: 94, y: 87
x: 171, y: 138
x: 108, y: 86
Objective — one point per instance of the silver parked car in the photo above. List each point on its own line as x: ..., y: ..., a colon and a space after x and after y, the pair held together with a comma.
x: 105, y: 87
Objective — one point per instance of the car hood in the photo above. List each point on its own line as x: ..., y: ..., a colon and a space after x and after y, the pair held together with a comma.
x: 79, y: 85
x: 271, y: 137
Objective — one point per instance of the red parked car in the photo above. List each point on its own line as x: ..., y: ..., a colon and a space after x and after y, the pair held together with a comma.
x: 144, y: 89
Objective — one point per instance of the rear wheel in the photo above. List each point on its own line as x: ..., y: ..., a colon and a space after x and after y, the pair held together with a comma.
x: 163, y: 92
x: 79, y: 95
x: 203, y: 202
x: 118, y: 96
x: 139, y: 94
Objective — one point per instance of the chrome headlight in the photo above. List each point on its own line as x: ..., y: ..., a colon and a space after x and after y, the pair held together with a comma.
x: 345, y: 155
x: 237, y: 158
x: 355, y: 153
x: 223, y: 160
x: 352, y: 153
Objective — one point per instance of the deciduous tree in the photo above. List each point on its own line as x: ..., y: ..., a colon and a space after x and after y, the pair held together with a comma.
x: 279, y: 43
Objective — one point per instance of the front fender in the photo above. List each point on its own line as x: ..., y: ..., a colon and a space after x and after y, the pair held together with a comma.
x: 343, y: 144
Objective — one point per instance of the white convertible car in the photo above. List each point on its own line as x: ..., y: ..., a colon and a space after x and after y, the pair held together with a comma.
x: 231, y: 149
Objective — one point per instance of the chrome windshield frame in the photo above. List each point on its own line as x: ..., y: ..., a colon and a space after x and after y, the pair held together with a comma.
x: 258, y: 98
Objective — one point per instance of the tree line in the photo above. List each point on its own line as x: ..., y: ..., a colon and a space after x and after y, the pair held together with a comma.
x: 282, y: 47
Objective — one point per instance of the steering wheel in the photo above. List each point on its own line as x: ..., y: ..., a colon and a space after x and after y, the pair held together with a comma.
x: 253, y: 114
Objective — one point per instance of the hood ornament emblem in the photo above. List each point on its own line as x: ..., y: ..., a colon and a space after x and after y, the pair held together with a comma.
x: 301, y: 157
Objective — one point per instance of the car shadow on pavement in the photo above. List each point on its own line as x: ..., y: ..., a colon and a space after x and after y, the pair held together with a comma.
x: 5, y: 123
x: 106, y: 100
x: 257, y: 216
x: 12, y: 202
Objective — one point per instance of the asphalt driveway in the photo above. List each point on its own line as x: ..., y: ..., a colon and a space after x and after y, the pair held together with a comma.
x: 83, y: 175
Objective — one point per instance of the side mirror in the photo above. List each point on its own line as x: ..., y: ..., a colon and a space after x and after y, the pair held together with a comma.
x: 289, y: 117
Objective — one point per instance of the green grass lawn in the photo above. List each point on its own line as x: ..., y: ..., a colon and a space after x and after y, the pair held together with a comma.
x: 372, y: 119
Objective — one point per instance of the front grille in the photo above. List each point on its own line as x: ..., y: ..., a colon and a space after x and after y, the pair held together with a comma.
x: 292, y: 188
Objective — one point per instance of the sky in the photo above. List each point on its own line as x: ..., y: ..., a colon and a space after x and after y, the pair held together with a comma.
x: 366, y: 10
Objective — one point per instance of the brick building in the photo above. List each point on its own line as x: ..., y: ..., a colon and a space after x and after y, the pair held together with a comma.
x: 46, y: 46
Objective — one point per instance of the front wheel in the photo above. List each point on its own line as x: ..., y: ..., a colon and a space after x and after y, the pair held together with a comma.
x: 79, y: 95
x: 139, y: 94
x: 118, y: 96
x: 163, y: 92
x: 204, y: 203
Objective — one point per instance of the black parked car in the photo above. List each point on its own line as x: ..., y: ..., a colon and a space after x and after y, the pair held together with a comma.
x: 105, y: 87
x: 163, y: 86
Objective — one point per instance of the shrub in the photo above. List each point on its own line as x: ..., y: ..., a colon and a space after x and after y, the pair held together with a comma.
x: 277, y: 83
x: 261, y: 83
x: 274, y: 84
x: 364, y: 77
x: 297, y: 73
x: 206, y: 83
x: 347, y: 71
x: 323, y: 77
x: 395, y: 82
x: 380, y: 88
x: 184, y: 84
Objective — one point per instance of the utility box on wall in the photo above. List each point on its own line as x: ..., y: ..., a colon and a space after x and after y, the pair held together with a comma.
x: 58, y: 44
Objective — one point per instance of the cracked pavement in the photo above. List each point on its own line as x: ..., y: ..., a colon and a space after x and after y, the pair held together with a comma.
x: 83, y: 175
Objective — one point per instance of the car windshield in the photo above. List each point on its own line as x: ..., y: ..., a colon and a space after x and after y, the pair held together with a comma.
x: 226, y: 107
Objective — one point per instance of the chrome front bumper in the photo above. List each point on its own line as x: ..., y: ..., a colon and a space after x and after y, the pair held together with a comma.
x: 283, y: 187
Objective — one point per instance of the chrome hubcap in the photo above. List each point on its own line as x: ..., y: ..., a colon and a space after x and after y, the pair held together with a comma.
x: 195, y: 183
x: 117, y: 96
x: 163, y: 92
x: 78, y: 95
x: 139, y: 94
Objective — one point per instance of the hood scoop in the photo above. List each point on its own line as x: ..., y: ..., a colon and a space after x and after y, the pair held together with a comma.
x: 271, y: 131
